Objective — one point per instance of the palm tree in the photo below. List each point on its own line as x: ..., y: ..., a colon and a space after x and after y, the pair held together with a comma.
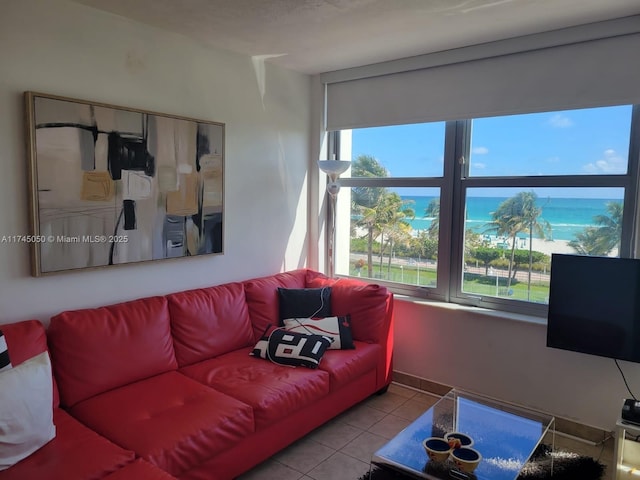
x: 602, y: 239
x: 610, y: 226
x: 506, y: 222
x: 433, y: 211
x: 531, y: 219
x: 395, y: 213
x: 515, y: 215
x: 368, y: 167
x: 391, y: 211
x: 367, y: 219
x: 365, y: 201
x: 588, y: 242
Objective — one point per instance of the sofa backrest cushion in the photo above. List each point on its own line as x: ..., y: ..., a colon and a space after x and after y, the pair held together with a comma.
x: 367, y: 303
x: 209, y: 322
x: 98, y: 349
x: 25, y: 340
x: 262, y: 298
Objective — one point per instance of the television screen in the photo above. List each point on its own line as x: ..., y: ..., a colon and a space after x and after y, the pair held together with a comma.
x: 594, y: 306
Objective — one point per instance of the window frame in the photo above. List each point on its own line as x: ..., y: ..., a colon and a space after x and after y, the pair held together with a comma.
x: 454, y: 184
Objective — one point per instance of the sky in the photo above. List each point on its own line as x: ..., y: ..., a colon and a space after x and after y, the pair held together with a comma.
x: 574, y: 142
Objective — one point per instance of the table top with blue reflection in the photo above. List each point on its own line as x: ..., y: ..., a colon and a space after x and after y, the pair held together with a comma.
x: 505, y: 436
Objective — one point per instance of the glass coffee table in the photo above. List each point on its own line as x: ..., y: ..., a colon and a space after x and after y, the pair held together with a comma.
x: 505, y: 436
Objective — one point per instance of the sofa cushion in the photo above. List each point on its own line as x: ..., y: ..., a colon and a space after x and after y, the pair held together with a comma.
x: 169, y: 420
x: 96, y: 350
x: 139, y: 470
x: 262, y: 298
x: 338, y: 329
x: 76, y: 453
x: 26, y: 409
x: 304, y: 302
x: 366, y: 303
x: 208, y: 322
x: 291, y: 349
x: 344, y: 366
x: 25, y: 340
x: 272, y: 390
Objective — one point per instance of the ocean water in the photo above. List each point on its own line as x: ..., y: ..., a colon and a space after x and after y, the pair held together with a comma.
x: 567, y: 216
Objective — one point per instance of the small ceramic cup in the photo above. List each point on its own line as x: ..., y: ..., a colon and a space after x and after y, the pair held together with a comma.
x: 458, y: 439
x: 466, y: 459
x: 437, y: 448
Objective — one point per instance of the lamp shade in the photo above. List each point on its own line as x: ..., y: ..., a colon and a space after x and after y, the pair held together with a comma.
x: 334, y: 168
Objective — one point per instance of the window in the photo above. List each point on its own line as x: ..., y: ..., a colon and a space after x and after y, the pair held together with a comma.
x: 470, y: 211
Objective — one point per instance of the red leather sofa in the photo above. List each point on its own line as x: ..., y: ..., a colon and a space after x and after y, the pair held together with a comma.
x: 164, y: 387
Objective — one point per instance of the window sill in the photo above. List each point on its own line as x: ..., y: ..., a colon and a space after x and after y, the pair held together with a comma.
x: 486, y: 312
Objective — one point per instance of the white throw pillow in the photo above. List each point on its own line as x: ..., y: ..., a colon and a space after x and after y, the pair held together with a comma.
x: 26, y: 409
x: 338, y: 329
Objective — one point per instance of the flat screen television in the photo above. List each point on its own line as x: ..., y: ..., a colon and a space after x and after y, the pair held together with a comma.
x: 594, y: 306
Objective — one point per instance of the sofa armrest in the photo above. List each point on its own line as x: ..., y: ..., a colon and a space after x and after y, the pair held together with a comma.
x: 25, y: 340
x: 370, y: 305
x: 371, y: 309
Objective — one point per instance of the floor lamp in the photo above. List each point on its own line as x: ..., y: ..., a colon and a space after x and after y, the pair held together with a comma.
x: 333, y: 169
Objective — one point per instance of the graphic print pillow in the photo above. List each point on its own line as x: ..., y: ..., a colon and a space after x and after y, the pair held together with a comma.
x: 304, y: 302
x: 291, y: 348
x: 5, y: 362
x: 336, y: 328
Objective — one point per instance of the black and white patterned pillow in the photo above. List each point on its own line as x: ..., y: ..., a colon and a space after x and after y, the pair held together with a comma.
x: 304, y: 302
x: 338, y: 329
x: 5, y: 363
x: 291, y: 348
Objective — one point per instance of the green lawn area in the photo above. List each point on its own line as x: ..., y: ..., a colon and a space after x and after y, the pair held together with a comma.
x: 539, y: 291
x: 407, y: 274
x: 474, y: 284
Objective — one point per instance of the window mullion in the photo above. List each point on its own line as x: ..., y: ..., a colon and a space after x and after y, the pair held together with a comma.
x: 390, y: 182
x: 458, y: 170
x: 629, y: 241
x: 549, y: 181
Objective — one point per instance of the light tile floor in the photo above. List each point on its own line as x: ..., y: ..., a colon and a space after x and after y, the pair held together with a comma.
x: 341, y: 449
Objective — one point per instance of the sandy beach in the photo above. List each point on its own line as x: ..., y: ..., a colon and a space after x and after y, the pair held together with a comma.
x: 552, y: 246
x: 539, y: 245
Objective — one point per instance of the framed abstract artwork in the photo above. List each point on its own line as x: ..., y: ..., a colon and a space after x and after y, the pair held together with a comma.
x: 113, y: 185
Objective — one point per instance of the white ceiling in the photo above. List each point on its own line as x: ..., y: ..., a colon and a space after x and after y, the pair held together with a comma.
x: 314, y: 36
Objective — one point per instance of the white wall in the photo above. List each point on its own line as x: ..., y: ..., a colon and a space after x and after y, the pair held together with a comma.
x: 508, y: 359
x: 57, y: 47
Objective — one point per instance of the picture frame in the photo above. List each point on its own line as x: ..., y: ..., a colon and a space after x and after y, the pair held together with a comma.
x: 112, y: 185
